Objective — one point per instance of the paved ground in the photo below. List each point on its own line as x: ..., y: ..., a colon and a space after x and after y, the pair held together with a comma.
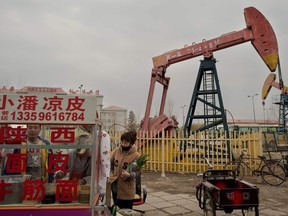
x: 174, y: 194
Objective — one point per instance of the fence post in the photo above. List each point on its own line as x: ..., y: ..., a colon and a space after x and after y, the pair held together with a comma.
x: 163, y: 155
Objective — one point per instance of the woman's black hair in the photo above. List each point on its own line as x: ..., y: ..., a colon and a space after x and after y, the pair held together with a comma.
x: 130, y: 136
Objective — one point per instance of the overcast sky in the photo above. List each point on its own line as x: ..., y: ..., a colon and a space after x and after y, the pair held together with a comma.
x: 108, y: 45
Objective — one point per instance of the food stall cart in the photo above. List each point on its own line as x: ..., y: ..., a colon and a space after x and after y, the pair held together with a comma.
x: 60, y: 116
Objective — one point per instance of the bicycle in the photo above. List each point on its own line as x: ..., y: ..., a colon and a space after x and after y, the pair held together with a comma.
x: 271, y: 171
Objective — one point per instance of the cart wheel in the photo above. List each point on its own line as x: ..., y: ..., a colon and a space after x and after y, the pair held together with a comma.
x: 199, y: 195
x: 209, y: 206
x: 250, y: 212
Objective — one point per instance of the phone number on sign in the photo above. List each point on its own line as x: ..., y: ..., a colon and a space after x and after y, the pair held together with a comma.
x: 48, y: 116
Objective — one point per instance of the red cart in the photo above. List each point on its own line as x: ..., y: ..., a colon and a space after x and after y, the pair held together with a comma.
x: 220, y: 190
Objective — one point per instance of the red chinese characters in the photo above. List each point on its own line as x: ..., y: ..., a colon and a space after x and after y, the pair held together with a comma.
x: 58, y: 162
x: 11, y: 135
x: 4, y: 101
x: 3, y: 190
x: 62, y: 135
x: 53, y: 104
x: 33, y: 190
x: 66, y: 190
x: 16, y: 163
x: 75, y: 104
x: 27, y: 102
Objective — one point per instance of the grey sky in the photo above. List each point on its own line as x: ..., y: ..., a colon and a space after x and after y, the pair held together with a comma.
x: 109, y: 45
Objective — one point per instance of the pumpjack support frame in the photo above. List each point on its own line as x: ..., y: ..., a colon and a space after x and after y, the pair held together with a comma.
x: 214, y: 113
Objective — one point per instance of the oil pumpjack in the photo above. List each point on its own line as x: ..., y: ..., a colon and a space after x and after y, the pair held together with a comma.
x: 207, y: 88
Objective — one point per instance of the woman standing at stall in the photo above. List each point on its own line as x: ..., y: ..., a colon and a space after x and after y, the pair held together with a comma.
x: 123, y: 182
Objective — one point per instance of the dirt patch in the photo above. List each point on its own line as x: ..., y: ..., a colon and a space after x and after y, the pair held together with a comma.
x: 172, y: 182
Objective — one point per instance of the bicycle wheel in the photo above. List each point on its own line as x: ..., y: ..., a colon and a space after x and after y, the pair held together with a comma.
x: 250, y: 211
x: 239, y: 169
x: 273, y: 174
x: 209, y: 206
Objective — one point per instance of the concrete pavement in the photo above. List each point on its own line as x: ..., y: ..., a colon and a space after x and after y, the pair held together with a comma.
x: 159, y: 203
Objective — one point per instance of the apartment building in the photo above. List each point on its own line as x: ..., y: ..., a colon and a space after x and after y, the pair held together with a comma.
x: 114, y: 118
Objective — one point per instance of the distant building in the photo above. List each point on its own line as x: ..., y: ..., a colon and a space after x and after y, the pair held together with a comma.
x: 34, y: 89
x: 114, y: 118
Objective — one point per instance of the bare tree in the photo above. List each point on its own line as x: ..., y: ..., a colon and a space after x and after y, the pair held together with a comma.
x: 170, y: 107
x: 132, y: 123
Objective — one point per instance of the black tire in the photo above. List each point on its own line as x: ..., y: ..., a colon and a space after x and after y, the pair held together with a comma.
x: 250, y: 211
x: 200, y: 196
x: 273, y: 174
x: 239, y: 169
x: 209, y: 205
